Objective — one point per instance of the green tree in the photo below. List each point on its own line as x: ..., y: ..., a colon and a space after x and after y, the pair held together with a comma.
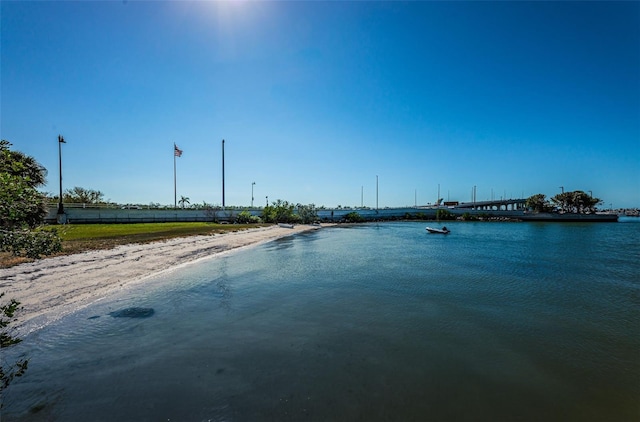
x: 307, y: 213
x: 79, y: 195
x: 280, y: 212
x: 538, y: 203
x: 22, y: 207
x: 576, y: 202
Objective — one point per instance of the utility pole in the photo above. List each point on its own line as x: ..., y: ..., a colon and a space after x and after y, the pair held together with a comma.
x: 376, y: 193
x: 223, y: 173
x: 252, y: 185
x: 60, y: 142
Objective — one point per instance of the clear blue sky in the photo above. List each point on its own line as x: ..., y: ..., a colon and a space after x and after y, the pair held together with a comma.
x: 316, y: 99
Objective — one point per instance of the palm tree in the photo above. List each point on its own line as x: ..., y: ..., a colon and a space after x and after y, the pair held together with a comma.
x: 17, y: 163
x: 183, y: 200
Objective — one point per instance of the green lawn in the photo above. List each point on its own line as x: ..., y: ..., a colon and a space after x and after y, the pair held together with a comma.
x: 84, y: 237
x: 144, y: 231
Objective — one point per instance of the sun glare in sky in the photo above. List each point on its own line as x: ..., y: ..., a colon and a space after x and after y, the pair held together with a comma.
x: 319, y: 102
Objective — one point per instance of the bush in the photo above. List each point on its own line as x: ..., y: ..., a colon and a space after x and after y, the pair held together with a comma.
x: 9, y: 372
x: 442, y: 214
x: 353, y: 217
x: 307, y: 213
x: 245, y: 217
x: 31, y: 244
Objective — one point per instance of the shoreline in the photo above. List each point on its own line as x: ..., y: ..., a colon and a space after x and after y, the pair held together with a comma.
x: 51, y: 288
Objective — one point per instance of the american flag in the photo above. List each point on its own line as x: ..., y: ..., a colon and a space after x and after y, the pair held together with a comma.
x: 177, y: 151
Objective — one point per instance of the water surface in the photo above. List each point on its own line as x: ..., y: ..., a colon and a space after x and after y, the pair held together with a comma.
x: 496, y: 321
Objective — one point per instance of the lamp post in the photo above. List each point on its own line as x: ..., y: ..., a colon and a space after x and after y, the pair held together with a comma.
x: 252, y: 184
x: 223, y: 173
x: 376, y: 193
x: 60, y: 142
x: 267, y: 197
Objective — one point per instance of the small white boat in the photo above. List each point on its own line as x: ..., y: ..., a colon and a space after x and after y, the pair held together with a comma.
x: 285, y: 225
x: 443, y: 230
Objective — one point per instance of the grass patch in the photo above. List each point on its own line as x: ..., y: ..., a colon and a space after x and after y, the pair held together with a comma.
x: 85, y: 237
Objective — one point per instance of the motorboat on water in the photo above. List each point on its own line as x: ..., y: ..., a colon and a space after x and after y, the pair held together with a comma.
x: 443, y: 230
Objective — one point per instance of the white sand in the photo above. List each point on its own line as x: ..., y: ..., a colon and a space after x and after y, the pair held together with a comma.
x: 53, y: 287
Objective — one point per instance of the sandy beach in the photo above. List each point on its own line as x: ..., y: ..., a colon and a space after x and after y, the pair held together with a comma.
x: 51, y: 288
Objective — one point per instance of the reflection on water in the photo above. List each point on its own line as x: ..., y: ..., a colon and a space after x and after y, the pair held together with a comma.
x: 496, y: 321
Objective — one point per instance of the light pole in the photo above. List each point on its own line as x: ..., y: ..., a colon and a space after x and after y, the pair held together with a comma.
x: 252, y: 185
x: 60, y: 142
x: 223, y: 173
x: 376, y: 192
x: 267, y: 199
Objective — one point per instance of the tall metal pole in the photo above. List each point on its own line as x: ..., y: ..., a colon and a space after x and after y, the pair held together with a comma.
x: 223, y: 173
x: 252, y: 184
x: 376, y: 192
x: 60, y: 142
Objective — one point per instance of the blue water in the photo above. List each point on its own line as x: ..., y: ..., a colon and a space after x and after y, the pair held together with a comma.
x: 494, y: 322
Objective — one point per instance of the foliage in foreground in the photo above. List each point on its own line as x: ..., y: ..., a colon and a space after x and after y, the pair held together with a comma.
x: 9, y: 372
x: 28, y: 243
x: 22, y: 207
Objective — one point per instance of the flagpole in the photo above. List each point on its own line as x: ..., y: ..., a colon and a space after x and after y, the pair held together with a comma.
x: 175, y: 195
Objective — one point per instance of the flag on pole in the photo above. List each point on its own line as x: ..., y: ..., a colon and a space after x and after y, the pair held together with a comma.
x: 177, y: 151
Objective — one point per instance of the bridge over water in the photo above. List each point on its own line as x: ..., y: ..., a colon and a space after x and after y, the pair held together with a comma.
x: 496, y: 205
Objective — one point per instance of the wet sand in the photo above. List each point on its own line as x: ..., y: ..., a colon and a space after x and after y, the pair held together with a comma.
x: 51, y: 288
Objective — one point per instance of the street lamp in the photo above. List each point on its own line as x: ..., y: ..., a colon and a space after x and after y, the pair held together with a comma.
x: 267, y: 199
x: 60, y: 142
x: 252, y: 184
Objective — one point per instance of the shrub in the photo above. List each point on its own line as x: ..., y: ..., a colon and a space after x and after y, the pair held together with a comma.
x: 442, y: 214
x: 31, y: 244
x: 245, y: 217
x: 353, y: 217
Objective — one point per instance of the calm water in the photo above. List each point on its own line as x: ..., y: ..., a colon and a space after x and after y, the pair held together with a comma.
x: 496, y: 322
